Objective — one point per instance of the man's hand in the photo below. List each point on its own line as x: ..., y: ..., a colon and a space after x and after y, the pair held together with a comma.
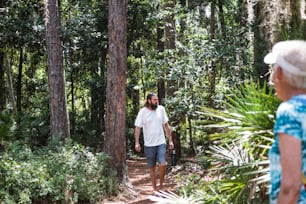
x: 171, y: 145
x: 137, y: 147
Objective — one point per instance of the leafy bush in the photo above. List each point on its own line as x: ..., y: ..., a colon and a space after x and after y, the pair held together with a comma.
x: 238, y: 148
x: 6, y: 125
x: 69, y: 173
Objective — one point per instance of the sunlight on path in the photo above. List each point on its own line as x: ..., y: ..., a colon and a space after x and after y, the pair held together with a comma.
x: 139, y: 176
x: 141, y: 188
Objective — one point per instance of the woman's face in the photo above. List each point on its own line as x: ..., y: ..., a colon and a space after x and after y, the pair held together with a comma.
x: 277, y: 79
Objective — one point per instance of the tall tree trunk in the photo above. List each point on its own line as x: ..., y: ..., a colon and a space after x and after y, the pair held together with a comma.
x: 261, y: 43
x: 9, y: 73
x: 19, y: 83
x: 161, y: 93
x: 212, y: 76
x: 115, y: 143
x: 172, y: 85
x: 170, y: 44
x: 72, y: 90
x: 271, y: 22
x: 296, y: 23
x: 103, y: 66
x: 2, y: 84
x: 96, y: 93
x: 136, y: 30
x: 222, y: 20
x: 134, y: 93
x: 56, y: 74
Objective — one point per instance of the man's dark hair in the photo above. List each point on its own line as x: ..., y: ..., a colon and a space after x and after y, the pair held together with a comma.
x: 149, y: 97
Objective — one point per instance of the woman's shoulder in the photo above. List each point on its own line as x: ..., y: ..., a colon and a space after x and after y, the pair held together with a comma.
x: 295, y: 105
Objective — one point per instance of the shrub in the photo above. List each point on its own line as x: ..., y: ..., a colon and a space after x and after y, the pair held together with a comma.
x: 69, y: 173
x: 238, y: 149
x: 6, y: 125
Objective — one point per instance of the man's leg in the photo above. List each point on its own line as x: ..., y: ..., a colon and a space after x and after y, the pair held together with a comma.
x: 153, y: 177
x: 162, y: 172
x: 161, y: 158
x: 150, y: 153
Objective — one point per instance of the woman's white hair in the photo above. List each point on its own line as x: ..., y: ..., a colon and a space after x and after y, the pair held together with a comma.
x: 291, y: 57
x: 296, y: 57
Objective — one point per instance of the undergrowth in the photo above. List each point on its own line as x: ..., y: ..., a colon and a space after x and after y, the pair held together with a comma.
x: 67, y: 173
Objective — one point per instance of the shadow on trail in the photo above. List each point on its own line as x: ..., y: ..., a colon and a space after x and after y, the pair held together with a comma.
x: 139, y: 176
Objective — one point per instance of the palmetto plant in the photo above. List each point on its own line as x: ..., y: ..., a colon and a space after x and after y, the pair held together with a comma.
x: 238, y: 153
x: 240, y: 146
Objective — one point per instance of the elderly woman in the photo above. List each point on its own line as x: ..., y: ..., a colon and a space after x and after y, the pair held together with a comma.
x: 288, y: 152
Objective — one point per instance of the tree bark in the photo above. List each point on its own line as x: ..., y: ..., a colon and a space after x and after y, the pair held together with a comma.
x: 19, y: 84
x: 103, y: 65
x: 273, y: 21
x: 95, y: 92
x: 161, y: 93
x: 212, y: 88
x: 262, y: 41
x: 296, y: 23
x: 172, y: 85
x: 56, y: 74
x: 72, y: 98
x: 222, y: 19
x: 9, y: 73
x: 2, y: 84
x: 115, y: 142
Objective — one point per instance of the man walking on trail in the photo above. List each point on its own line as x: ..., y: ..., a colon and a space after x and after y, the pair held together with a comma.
x: 154, y: 121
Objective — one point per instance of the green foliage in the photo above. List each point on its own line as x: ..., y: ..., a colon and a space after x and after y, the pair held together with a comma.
x: 239, y: 146
x: 69, y: 173
x: 6, y: 126
x: 23, y: 24
x: 248, y: 116
x: 34, y: 126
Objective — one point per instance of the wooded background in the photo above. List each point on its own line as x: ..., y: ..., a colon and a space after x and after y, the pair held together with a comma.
x: 81, y: 69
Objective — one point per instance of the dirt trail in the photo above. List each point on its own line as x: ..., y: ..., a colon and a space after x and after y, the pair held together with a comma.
x: 141, y: 189
x: 139, y: 176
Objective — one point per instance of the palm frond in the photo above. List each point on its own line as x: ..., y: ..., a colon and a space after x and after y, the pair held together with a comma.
x: 172, y: 198
x: 243, y: 137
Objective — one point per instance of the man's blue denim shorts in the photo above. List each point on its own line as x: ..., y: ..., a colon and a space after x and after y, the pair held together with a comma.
x: 155, y: 153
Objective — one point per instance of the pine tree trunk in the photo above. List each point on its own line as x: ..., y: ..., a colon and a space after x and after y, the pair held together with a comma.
x: 56, y: 75
x: 19, y: 84
x: 115, y: 144
x: 172, y: 85
x: 161, y: 93
x: 2, y: 84
x: 11, y: 90
x: 273, y: 19
x: 262, y: 41
x: 95, y: 91
x: 296, y: 20
x: 103, y: 65
x: 72, y: 98
x: 212, y: 76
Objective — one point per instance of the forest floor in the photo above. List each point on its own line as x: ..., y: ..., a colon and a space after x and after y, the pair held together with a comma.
x: 140, y: 189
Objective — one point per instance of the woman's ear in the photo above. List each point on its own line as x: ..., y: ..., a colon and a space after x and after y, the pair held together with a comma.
x: 279, y: 74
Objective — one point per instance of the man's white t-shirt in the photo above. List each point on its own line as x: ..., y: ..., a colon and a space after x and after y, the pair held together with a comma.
x: 152, y: 123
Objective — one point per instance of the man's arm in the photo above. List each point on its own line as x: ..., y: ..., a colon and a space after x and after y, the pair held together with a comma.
x: 137, y: 133
x: 168, y: 134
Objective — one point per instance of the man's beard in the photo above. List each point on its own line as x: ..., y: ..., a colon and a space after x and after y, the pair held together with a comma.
x: 153, y: 106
